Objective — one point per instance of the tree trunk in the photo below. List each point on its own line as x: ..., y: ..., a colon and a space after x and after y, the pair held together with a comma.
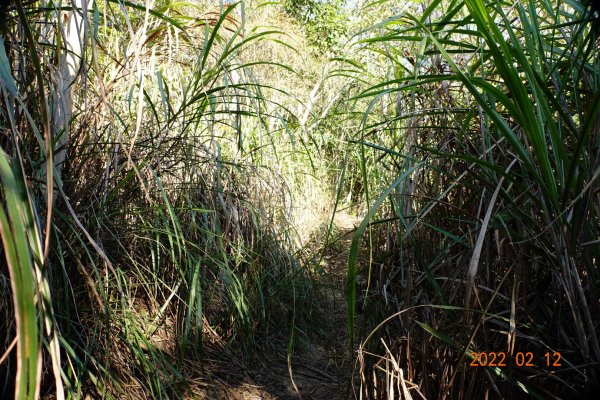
x: 73, y: 26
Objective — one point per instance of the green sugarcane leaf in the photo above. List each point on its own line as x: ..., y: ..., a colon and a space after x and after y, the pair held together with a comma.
x: 6, y: 79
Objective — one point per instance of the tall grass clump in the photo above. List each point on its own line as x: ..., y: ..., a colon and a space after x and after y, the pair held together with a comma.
x: 144, y: 223
x: 489, y: 208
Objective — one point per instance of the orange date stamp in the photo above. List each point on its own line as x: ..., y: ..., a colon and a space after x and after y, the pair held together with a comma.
x: 519, y: 359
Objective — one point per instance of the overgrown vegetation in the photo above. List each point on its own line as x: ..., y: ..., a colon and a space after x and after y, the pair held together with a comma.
x: 493, y: 239
x: 173, y: 173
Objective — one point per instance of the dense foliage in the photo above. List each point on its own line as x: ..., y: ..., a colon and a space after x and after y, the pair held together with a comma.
x: 324, y: 22
x: 173, y: 175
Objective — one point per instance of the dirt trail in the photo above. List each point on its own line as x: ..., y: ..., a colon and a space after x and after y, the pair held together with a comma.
x: 320, y: 367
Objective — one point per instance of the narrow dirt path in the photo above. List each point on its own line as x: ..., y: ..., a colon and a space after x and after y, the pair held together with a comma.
x: 320, y: 369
